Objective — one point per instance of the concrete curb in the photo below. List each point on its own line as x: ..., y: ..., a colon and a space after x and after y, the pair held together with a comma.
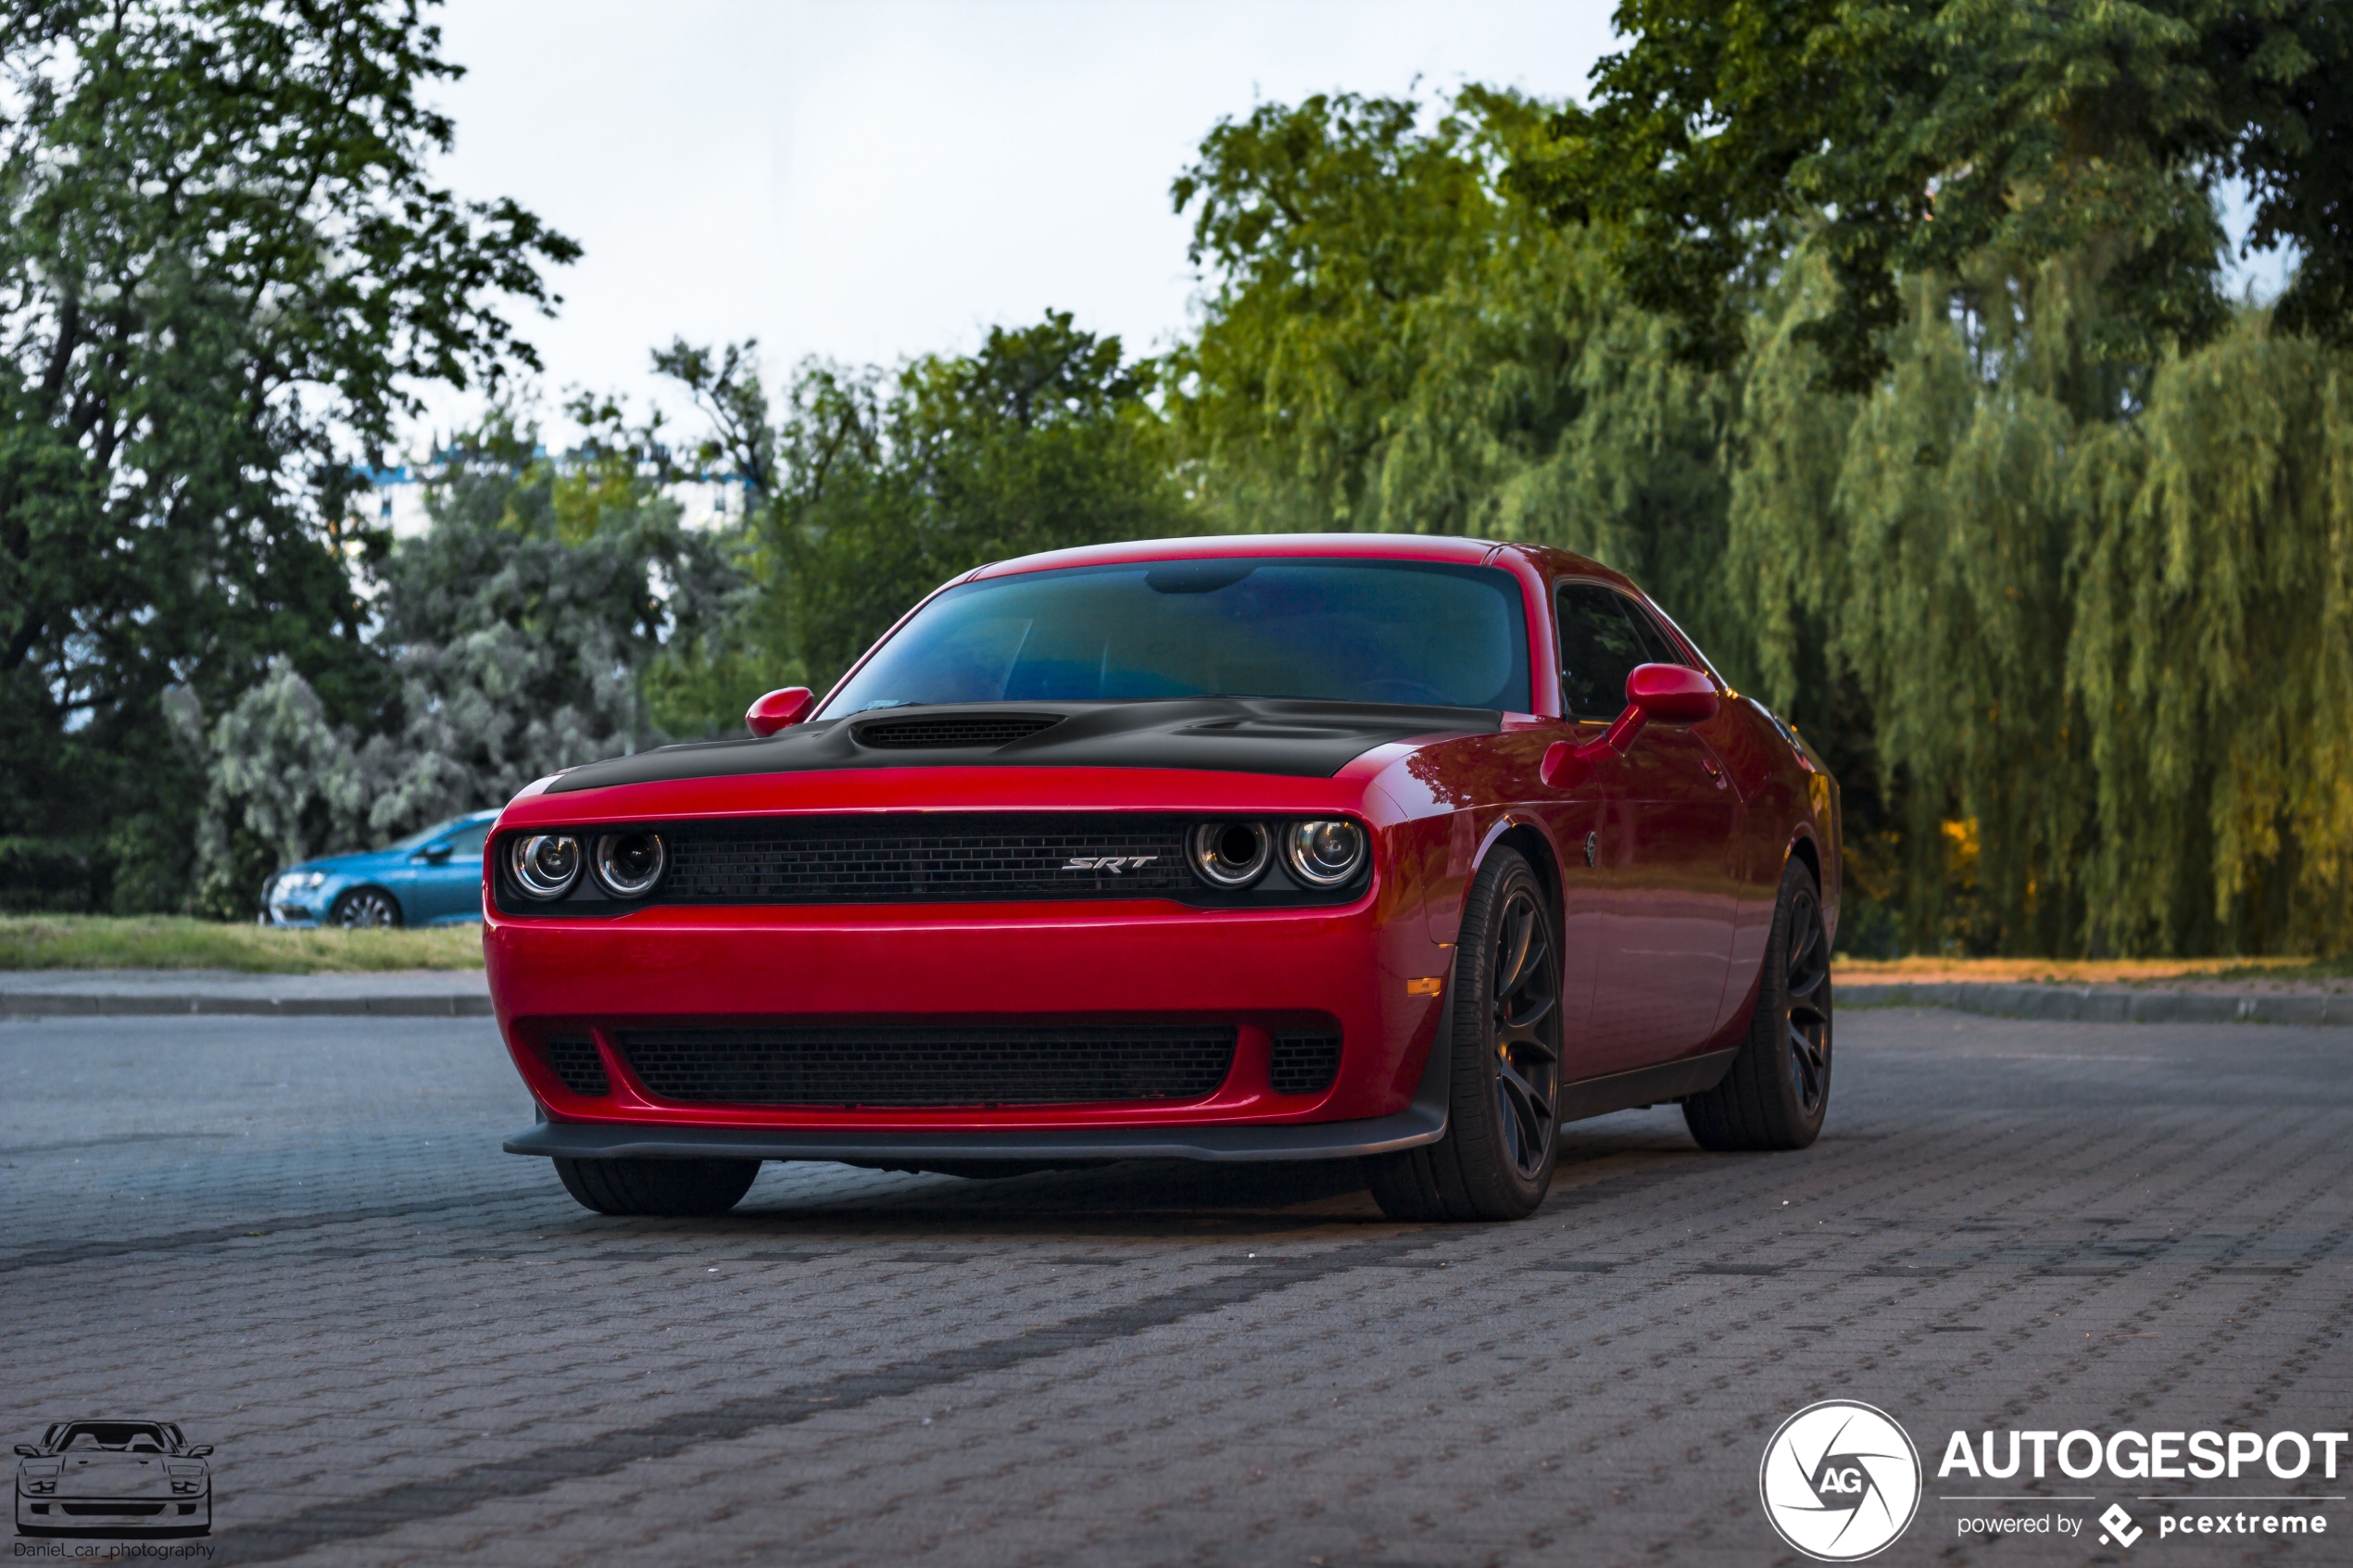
x: 2086, y: 1004
x: 43, y: 1004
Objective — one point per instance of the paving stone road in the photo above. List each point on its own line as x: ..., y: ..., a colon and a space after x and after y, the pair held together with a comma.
x: 299, y: 1239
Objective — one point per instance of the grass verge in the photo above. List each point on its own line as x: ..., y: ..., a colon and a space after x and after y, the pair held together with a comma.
x: 175, y: 941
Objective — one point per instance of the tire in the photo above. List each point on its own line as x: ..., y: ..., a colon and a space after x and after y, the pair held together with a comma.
x: 365, y: 908
x: 1779, y: 1088
x: 1503, y: 1123
x: 669, y: 1188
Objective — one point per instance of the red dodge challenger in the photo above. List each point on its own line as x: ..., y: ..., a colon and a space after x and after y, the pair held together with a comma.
x: 1398, y: 849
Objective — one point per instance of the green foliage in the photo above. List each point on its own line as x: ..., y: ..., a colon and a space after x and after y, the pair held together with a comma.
x: 2104, y: 669
x: 519, y: 629
x: 882, y: 489
x: 1949, y: 139
x: 222, y: 263
x: 2213, y: 655
x: 1392, y: 342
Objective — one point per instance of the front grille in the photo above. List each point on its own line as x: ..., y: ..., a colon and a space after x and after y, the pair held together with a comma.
x: 924, y: 858
x: 1303, y: 1064
x: 931, y: 1064
x: 575, y: 1061
x: 977, y: 730
x: 111, y: 1510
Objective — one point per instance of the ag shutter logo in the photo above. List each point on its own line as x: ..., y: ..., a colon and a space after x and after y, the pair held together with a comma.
x: 1840, y: 1481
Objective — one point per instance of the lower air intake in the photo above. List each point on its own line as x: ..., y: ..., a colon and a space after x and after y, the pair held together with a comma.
x: 942, y: 1064
x: 575, y: 1062
x: 1303, y: 1064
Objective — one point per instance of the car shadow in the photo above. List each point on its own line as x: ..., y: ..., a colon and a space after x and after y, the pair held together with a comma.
x: 1167, y: 1200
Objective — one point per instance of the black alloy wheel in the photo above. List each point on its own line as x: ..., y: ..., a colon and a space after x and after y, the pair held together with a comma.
x: 365, y: 908
x: 1779, y: 1088
x: 1805, y: 1002
x: 1502, y: 1124
x: 1526, y: 994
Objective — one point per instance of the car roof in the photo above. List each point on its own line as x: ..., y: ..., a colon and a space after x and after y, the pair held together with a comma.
x: 1361, y: 546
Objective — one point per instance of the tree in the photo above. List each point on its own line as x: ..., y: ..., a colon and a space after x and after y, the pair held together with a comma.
x: 1927, y: 138
x: 224, y: 268
x: 886, y: 487
x: 520, y: 632
x: 1394, y: 341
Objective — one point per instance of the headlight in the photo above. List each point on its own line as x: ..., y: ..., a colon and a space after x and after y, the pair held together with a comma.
x: 1323, y: 854
x: 1231, y: 854
x: 300, y: 881
x: 545, y: 865
x: 628, y: 864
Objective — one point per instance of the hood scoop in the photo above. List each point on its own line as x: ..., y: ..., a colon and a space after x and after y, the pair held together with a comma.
x: 1285, y: 736
x: 944, y: 730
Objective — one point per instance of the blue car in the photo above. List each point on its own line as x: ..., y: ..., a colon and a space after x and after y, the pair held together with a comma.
x: 429, y: 878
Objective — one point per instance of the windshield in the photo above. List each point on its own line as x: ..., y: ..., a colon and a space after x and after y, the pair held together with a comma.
x: 1343, y: 631
x: 112, y: 1437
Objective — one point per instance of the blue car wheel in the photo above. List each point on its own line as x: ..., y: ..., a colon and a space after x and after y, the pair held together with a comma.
x: 365, y: 908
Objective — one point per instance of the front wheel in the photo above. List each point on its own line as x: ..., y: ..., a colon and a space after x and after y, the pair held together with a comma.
x: 365, y: 908
x: 667, y: 1189
x: 1503, y: 1127
x: 1780, y: 1085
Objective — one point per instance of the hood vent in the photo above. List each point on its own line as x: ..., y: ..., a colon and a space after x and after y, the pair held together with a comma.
x: 940, y: 732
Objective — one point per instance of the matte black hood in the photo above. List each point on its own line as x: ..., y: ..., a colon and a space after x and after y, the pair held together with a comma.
x: 1298, y: 739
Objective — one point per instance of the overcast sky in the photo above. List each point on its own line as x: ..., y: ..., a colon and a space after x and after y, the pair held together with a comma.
x: 874, y: 179
x: 869, y: 179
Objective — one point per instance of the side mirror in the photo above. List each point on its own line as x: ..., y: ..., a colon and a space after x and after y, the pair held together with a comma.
x: 1668, y: 693
x: 200, y: 1450
x: 1671, y: 694
x: 436, y: 853
x: 785, y: 706
x: 28, y: 1450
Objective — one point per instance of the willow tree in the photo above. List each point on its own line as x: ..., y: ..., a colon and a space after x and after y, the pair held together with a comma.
x: 1392, y: 340
x: 2213, y: 653
x: 1985, y: 244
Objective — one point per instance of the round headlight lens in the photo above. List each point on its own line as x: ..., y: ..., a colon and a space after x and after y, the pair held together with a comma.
x: 1323, y: 854
x: 1231, y: 854
x: 545, y: 865
x: 628, y: 864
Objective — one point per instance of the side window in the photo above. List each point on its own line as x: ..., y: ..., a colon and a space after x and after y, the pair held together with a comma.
x: 467, y: 841
x: 1601, y: 642
x: 1661, y: 647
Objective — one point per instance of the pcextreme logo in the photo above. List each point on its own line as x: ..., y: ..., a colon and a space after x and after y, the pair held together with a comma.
x: 1840, y: 1480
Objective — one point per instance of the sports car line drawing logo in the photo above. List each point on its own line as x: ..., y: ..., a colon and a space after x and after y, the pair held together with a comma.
x: 114, y: 1478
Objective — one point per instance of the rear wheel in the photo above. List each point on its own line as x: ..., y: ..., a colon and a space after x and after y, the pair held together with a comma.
x: 1502, y: 1124
x: 676, y: 1188
x: 365, y: 908
x: 1780, y: 1085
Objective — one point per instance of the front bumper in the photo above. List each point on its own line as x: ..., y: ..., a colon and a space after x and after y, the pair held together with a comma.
x: 142, y: 1518
x: 1372, y: 979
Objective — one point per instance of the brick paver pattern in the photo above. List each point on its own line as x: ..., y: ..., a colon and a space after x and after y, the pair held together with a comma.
x: 299, y: 1239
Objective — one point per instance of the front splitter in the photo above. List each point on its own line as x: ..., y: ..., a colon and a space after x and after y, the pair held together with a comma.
x: 1417, y: 1125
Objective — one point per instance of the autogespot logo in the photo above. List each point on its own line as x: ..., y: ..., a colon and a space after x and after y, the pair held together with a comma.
x: 1840, y: 1480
